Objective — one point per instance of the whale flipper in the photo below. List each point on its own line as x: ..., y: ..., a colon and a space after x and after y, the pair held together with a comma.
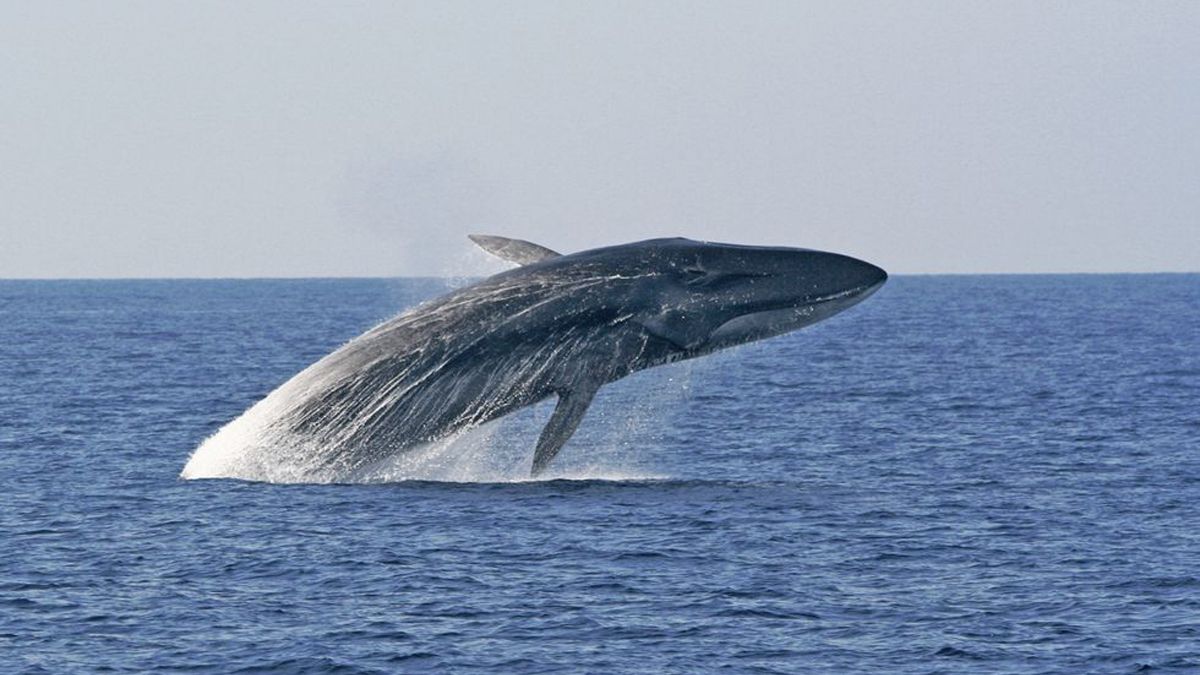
x: 516, y: 251
x: 567, y: 414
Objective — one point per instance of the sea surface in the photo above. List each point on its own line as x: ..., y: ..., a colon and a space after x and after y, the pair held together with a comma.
x: 962, y: 474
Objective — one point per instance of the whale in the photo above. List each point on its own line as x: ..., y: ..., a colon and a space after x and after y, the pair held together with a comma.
x: 560, y: 326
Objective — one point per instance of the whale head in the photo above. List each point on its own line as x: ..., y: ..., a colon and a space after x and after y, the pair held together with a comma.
x: 703, y: 296
x: 694, y: 296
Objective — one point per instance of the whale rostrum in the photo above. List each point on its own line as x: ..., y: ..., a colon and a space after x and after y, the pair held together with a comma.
x: 557, y: 325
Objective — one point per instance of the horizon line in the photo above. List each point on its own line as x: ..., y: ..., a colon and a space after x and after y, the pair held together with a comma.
x: 471, y: 276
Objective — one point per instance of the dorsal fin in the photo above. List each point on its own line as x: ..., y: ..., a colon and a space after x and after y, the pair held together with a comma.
x: 513, y: 250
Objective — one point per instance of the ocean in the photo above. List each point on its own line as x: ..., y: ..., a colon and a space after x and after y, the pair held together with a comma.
x: 962, y: 474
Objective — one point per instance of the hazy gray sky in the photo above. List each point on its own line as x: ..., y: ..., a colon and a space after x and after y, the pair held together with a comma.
x: 291, y: 139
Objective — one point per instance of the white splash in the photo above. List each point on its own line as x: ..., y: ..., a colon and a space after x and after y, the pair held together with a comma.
x: 497, y: 452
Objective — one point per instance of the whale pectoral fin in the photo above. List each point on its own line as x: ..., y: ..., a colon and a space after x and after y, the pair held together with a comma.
x: 513, y: 250
x: 570, y: 410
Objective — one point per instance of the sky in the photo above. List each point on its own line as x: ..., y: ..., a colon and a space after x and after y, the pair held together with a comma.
x: 267, y: 139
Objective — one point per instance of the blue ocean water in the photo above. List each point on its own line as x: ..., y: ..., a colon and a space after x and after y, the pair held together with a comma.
x: 963, y: 474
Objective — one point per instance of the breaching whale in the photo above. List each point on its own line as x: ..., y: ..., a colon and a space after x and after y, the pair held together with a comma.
x: 557, y: 325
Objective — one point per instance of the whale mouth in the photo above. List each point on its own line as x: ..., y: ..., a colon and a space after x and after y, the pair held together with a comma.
x: 787, y: 317
x: 858, y: 293
x: 808, y: 304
